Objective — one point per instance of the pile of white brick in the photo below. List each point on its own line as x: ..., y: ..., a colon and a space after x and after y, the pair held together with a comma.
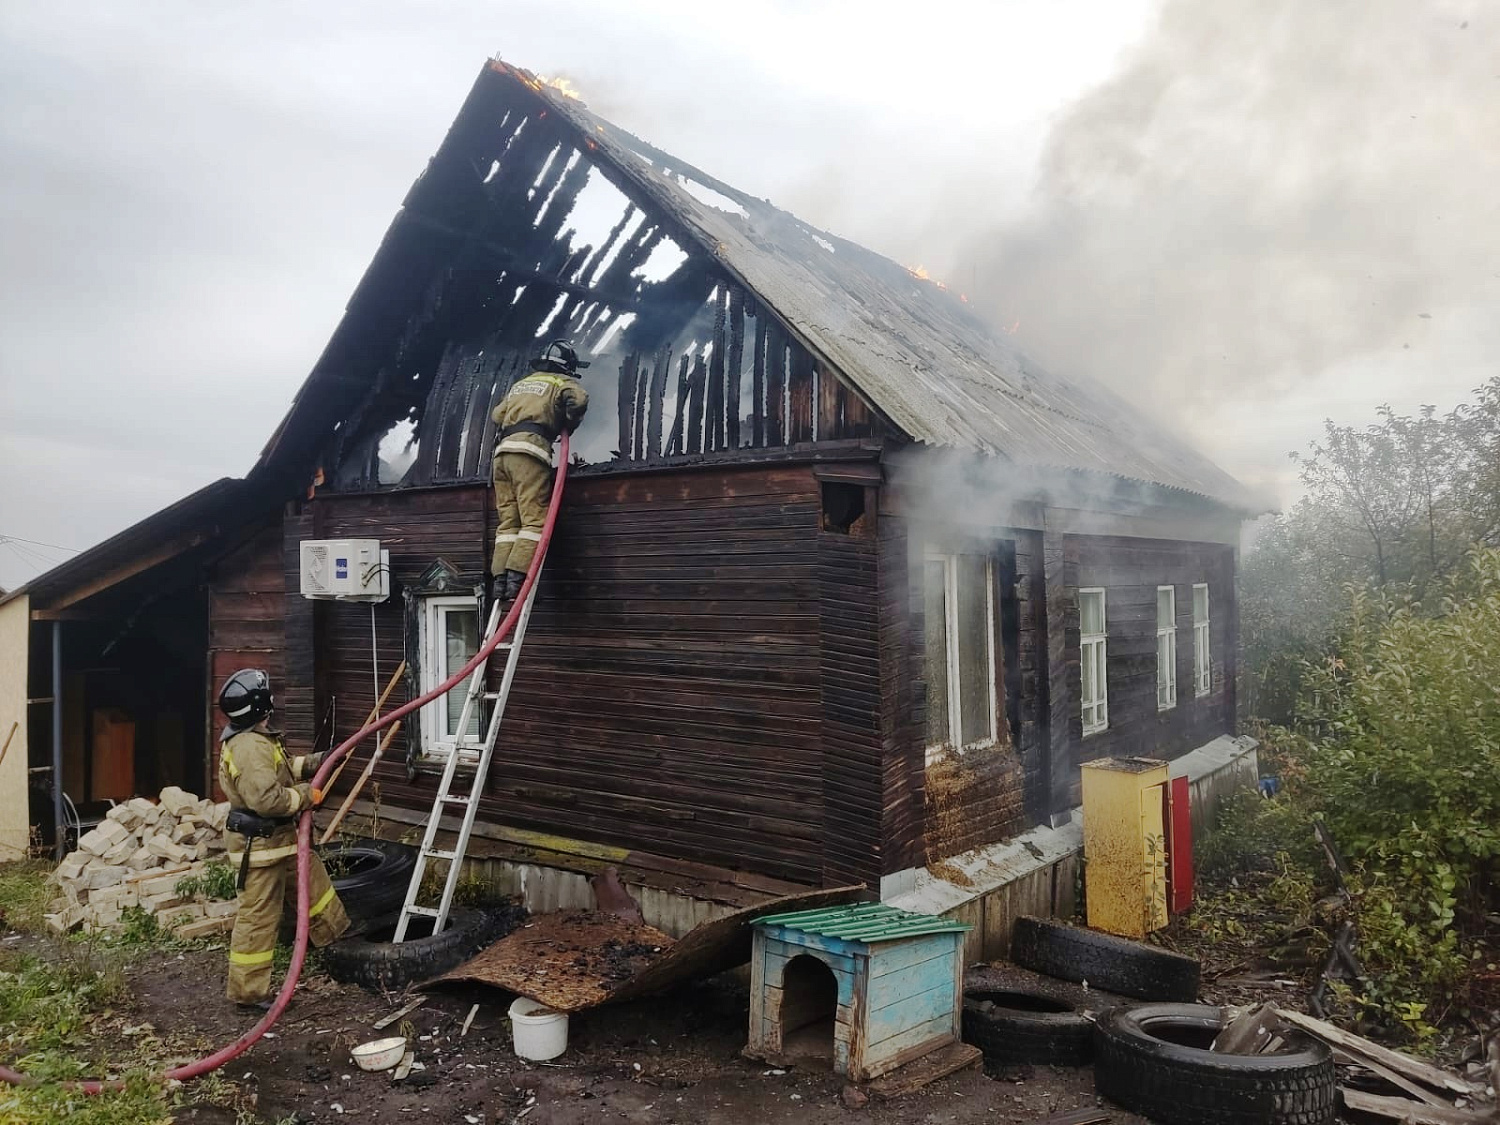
x: 136, y: 857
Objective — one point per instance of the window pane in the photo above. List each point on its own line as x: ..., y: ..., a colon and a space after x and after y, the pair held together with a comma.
x: 975, y: 677
x: 1091, y: 612
x: 461, y: 641
x: 1200, y: 604
x: 935, y: 616
x: 1164, y: 609
x: 1086, y: 669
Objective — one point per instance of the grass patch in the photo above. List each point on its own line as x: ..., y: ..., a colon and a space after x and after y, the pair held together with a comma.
x: 24, y: 895
x: 49, y: 1016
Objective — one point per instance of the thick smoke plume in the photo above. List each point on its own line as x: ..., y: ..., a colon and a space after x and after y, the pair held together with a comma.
x: 1268, y: 192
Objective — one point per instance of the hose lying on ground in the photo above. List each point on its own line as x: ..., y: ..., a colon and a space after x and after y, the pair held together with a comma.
x: 202, y: 1066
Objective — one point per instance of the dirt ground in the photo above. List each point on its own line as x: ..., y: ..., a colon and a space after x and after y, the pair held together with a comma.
x: 670, y: 1059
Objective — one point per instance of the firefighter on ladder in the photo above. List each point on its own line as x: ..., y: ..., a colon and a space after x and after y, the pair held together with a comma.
x: 266, y: 792
x: 529, y: 419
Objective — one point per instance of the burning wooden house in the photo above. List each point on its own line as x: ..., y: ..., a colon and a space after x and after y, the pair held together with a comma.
x: 844, y: 587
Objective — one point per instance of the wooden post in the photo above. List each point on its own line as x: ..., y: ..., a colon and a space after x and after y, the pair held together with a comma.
x: 338, y: 817
x: 758, y: 385
x: 658, y: 397
x: 625, y: 399
x: 370, y: 718
x: 775, y: 386
x: 736, y: 361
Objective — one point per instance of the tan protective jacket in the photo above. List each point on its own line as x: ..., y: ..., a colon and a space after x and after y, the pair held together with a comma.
x: 256, y: 774
x: 540, y: 402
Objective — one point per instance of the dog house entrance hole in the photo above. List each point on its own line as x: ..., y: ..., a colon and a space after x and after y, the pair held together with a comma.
x: 809, y: 1006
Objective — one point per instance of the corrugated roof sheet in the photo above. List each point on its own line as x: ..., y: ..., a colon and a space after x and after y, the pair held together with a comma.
x: 927, y: 361
x: 866, y: 921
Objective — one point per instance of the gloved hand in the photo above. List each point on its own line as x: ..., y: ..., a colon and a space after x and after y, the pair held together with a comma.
x: 313, y: 761
x: 311, y: 798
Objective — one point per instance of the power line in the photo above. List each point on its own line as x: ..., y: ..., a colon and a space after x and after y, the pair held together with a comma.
x: 34, y: 543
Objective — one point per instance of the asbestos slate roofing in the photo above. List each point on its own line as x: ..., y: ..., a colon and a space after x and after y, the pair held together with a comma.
x: 937, y: 370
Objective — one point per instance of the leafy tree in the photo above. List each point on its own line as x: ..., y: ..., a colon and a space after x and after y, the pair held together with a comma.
x: 1394, y: 506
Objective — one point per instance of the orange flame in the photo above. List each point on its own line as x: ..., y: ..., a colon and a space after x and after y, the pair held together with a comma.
x: 563, y: 86
x: 921, y: 274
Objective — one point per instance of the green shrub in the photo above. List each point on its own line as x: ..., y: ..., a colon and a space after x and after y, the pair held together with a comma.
x: 1401, y: 757
x: 216, y: 882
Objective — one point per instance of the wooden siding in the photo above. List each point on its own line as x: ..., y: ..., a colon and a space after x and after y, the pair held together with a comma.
x: 671, y: 697
x: 246, y: 625
x: 903, y: 757
x: 854, y: 813
x: 1130, y: 570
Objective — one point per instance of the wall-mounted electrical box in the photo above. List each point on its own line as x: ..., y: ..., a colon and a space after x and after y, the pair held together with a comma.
x: 345, y: 570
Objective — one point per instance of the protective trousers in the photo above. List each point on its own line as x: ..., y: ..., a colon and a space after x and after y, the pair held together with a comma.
x: 523, y: 488
x: 253, y: 942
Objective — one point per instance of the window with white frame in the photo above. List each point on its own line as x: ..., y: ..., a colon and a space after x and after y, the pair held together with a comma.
x: 960, y: 647
x: 1093, y: 656
x: 450, y: 636
x: 1202, y: 669
x: 1166, y: 647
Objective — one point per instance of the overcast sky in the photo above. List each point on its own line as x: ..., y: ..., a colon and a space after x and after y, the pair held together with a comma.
x: 1251, y: 213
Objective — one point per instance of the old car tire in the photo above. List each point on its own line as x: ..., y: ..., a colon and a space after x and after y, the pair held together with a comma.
x: 1154, y: 1060
x: 1026, y: 1025
x: 378, y: 964
x: 370, y: 876
x: 1114, y: 964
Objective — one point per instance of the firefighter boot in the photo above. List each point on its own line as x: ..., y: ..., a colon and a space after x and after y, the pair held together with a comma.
x: 514, y: 579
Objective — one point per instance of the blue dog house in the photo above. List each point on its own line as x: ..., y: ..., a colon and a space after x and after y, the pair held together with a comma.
x: 867, y: 986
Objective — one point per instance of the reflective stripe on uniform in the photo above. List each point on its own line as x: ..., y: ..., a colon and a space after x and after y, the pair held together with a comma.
x: 322, y: 903
x: 299, y: 763
x: 534, y: 536
x: 259, y: 857
x: 296, y: 799
x: 521, y: 445
x: 228, y: 759
x: 543, y: 377
x: 238, y: 958
x: 508, y: 537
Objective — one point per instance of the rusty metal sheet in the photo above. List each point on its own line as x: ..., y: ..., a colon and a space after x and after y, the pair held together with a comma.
x: 574, y: 960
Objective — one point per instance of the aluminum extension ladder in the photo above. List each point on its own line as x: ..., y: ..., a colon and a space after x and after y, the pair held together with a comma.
x: 446, y: 799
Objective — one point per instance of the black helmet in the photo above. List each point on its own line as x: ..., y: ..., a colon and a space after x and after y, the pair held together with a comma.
x: 560, y: 357
x: 246, y: 698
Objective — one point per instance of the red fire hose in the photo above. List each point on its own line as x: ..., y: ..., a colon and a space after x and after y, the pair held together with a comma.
x: 304, y: 824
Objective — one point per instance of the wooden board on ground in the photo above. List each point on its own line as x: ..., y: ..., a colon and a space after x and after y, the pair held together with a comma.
x: 569, y: 961
x: 1077, y: 1117
x: 515, y: 963
x: 1414, y: 1069
x: 1410, y: 1112
x: 929, y: 1068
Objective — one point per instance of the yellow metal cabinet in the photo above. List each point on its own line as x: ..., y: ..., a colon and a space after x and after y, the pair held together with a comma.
x: 1124, y: 845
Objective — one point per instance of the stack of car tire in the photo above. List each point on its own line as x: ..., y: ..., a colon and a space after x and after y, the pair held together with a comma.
x: 371, y: 878
x: 1073, y: 996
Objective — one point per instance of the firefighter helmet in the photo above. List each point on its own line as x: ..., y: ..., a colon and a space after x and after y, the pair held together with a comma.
x: 560, y: 357
x: 246, y: 698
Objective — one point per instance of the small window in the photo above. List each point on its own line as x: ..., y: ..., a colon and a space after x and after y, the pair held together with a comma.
x: 1202, y: 669
x: 1166, y: 648
x: 1093, y: 656
x: 960, y: 647
x: 450, y: 636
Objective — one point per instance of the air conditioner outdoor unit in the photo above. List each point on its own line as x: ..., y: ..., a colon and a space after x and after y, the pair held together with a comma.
x: 345, y: 570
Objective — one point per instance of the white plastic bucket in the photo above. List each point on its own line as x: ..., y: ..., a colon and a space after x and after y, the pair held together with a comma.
x: 540, y: 1033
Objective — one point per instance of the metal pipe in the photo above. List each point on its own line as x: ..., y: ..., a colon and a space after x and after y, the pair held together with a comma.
x: 57, y: 747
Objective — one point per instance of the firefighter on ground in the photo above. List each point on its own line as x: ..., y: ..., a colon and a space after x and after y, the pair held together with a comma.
x: 529, y: 419
x: 266, y: 792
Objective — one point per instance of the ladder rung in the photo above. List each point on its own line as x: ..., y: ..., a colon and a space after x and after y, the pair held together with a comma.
x: 455, y: 798
x: 438, y: 853
x: 492, y: 695
x: 423, y: 911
